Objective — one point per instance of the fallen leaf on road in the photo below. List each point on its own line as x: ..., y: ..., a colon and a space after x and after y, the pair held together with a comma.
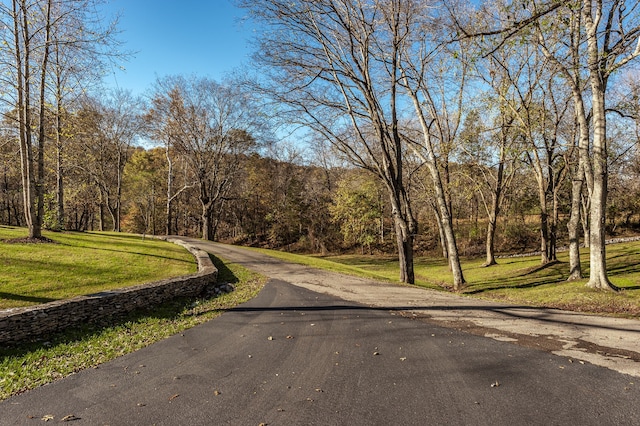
x: 289, y: 337
x: 69, y: 418
x: 216, y: 392
x: 495, y: 385
x: 174, y: 397
x: 47, y: 417
x: 404, y: 358
x: 270, y: 338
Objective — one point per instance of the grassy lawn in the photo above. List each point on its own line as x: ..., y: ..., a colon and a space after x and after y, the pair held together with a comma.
x: 519, y: 280
x: 82, y: 263
x: 31, y: 365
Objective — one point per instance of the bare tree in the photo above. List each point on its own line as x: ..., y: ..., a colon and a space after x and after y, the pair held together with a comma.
x: 108, y: 129
x: 437, y: 97
x: 600, y: 39
x: 209, y: 125
x: 334, y: 67
x: 32, y: 39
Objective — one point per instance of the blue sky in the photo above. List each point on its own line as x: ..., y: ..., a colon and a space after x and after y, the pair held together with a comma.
x: 169, y: 37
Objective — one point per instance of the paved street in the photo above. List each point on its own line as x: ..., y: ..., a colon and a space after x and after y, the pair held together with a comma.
x: 295, y: 356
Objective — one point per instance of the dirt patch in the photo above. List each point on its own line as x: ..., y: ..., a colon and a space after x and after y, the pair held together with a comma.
x: 606, y: 351
x: 28, y: 240
x: 547, y: 343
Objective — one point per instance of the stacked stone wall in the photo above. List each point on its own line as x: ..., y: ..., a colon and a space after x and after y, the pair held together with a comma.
x: 20, y: 324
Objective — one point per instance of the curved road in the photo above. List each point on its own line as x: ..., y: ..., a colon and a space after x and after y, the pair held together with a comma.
x: 294, y: 356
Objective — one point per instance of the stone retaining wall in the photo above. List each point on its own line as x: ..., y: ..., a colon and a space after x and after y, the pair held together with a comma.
x: 20, y: 324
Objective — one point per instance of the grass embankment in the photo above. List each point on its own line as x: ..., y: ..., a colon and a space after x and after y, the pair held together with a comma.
x: 520, y: 280
x: 31, y: 365
x: 82, y: 263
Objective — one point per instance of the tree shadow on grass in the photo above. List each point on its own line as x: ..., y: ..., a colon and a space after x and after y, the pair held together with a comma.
x: 225, y: 275
x: 22, y: 298
x: 522, y: 280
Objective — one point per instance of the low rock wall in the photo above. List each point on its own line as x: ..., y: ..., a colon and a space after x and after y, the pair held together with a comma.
x: 20, y: 324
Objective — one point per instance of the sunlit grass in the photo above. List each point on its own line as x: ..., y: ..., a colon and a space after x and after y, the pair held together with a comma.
x: 79, y: 263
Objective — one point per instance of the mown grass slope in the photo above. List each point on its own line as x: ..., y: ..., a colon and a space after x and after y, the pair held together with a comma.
x: 76, y: 263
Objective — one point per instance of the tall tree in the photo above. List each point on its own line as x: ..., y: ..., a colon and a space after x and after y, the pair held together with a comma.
x: 426, y: 49
x: 109, y: 127
x: 209, y: 125
x: 33, y: 33
x: 602, y: 38
x: 334, y: 66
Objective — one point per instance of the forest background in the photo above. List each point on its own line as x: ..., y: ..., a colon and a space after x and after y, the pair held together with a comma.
x: 400, y: 127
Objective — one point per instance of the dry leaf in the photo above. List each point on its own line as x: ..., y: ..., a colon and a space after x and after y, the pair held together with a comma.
x: 174, y: 397
x: 69, y: 418
x: 47, y: 417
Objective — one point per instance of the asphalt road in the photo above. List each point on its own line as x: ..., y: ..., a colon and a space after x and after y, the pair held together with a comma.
x: 293, y: 356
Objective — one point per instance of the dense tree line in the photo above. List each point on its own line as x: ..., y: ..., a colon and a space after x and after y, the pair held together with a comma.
x: 432, y: 127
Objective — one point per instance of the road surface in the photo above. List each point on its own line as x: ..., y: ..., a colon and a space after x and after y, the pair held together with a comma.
x: 294, y: 356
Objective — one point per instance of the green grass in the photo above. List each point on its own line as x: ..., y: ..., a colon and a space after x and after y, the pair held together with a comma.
x: 28, y: 366
x: 519, y: 280
x: 82, y: 263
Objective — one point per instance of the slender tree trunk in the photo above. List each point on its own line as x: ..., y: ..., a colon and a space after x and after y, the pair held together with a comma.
x: 445, y: 214
x: 404, y: 237
x: 447, y: 225
x: 544, y: 225
x: 496, y: 201
x: 597, y: 258
x: 169, y: 218
x: 573, y: 226
x: 442, y: 236
x: 42, y: 130
x: 59, y: 147
x: 22, y: 39
x: 582, y: 173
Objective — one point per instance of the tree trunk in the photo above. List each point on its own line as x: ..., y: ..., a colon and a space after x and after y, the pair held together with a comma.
x: 42, y: 131
x: 169, y: 190
x: 490, y: 243
x: 597, y: 258
x: 445, y: 214
x: 447, y: 226
x: 443, y: 238
x: 207, y: 221
x: 496, y: 202
x: 573, y: 226
x: 405, y: 251
x: 544, y: 227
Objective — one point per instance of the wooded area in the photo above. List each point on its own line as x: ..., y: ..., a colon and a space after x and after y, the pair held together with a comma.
x: 396, y: 126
